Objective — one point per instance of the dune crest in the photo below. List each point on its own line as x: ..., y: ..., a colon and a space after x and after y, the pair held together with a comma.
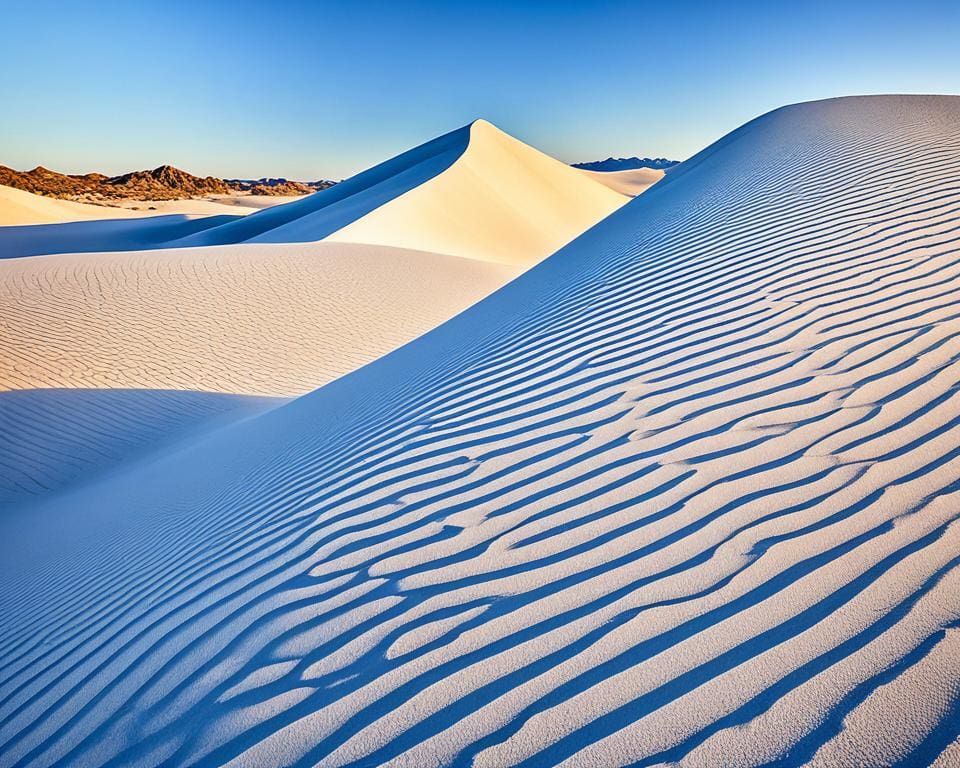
x: 473, y: 193
x: 314, y: 217
x: 500, y: 201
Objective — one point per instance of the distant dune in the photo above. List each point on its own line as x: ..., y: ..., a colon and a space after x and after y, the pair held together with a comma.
x: 501, y: 201
x: 685, y: 493
x: 629, y: 182
x: 475, y: 193
x: 19, y: 207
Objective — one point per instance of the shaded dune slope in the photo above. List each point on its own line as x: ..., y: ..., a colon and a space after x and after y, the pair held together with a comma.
x: 687, y: 491
x: 122, y: 233
x: 173, y: 338
x: 324, y: 212
x: 53, y: 438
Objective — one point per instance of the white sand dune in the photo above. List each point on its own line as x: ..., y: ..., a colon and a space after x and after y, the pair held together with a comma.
x: 632, y: 182
x: 687, y: 492
x: 475, y: 193
x: 207, y: 206
x: 501, y: 201
x: 18, y: 207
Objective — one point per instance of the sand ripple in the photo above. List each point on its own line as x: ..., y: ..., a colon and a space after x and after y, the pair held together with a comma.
x: 687, y: 492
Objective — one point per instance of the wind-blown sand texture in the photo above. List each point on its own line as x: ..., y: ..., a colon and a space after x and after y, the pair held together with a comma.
x: 267, y: 320
x: 686, y: 492
x: 174, y: 333
x: 179, y: 329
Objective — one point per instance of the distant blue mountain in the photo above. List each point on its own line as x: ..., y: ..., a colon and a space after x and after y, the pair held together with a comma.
x: 626, y: 164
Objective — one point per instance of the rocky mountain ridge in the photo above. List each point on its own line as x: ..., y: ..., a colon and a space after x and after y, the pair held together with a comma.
x: 627, y: 164
x: 163, y: 183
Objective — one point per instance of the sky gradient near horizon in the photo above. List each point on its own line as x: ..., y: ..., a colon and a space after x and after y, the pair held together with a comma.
x: 322, y: 90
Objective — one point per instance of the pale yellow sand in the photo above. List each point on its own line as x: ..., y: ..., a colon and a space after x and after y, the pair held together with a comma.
x: 18, y: 207
x: 632, y: 182
x: 502, y: 201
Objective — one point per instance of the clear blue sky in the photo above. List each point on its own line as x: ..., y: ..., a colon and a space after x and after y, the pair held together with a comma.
x: 315, y: 89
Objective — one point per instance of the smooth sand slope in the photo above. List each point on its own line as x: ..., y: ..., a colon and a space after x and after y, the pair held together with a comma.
x: 179, y: 330
x: 501, y: 201
x: 175, y: 335
x: 687, y: 493
x: 18, y: 207
x: 632, y: 182
x: 475, y: 193
x: 33, y: 225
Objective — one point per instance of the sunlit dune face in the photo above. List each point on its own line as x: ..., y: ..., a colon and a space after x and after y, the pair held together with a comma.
x: 264, y: 320
x: 501, y: 201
